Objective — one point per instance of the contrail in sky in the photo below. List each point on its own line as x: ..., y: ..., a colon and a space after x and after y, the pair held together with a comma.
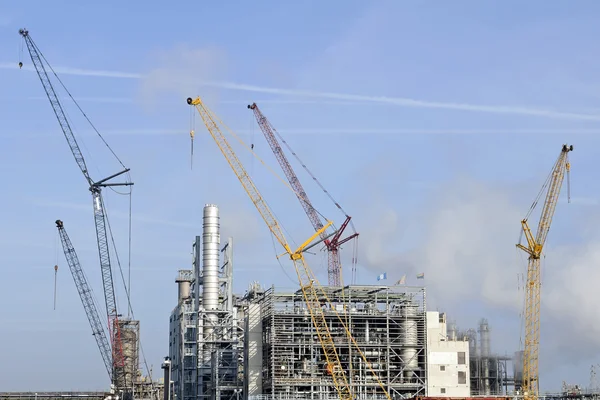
x: 398, y: 101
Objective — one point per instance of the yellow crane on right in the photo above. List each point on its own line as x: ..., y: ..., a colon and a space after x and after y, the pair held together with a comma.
x: 534, y: 247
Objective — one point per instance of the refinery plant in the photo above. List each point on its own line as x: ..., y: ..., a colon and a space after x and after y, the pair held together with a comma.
x: 262, y: 345
x: 330, y: 341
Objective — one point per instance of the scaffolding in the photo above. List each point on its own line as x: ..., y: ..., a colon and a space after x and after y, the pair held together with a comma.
x: 388, y: 323
x: 220, y: 340
x: 182, y: 343
x: 130, y: 339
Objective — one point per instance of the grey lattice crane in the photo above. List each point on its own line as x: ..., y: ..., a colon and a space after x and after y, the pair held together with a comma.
x: 95, y: 187
x: 85, y: 293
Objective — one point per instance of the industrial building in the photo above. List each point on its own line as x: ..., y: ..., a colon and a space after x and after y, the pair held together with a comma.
x: 262, y: 345
x: 447, y: 360
x: 206, y: 334
x: 388, y: 325
x: 490, y: 374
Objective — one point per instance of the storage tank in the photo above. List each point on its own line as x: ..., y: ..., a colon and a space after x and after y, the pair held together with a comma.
x: 184, y: 281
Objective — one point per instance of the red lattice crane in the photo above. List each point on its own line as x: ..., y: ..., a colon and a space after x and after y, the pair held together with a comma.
x: 333, y: 243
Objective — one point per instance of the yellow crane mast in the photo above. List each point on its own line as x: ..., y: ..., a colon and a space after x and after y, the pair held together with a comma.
x: 305, y: 275
x: 313, y: 293
x: 534, y: 247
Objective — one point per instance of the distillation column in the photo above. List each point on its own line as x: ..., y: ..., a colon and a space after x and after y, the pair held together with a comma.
x: 484, y: 340
x: 211, y: 241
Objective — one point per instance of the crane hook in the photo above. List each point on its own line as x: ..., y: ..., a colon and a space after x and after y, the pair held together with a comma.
x: 20, y: 65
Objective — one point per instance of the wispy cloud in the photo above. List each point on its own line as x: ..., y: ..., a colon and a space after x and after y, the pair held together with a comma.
x: 334, y: 132
x: 398, y: 101
x: 120, y: 100
x: 127, y: 100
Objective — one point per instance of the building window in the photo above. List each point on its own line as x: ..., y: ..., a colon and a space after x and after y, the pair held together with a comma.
x: 443, y: 390
x: 462, y: 378
x: 442, y: 367
x: 461, y: 358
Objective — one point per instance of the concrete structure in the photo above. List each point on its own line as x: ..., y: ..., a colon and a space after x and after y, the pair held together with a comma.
x: 447, y: 359
x: 388, y: 323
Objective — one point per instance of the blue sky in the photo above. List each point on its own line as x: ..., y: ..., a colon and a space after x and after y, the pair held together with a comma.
x: 433, y: 126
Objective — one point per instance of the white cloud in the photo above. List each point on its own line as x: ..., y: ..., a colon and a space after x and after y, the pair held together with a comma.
x: 186, y: 70
x: 467, y: 252
x: 333, y: 132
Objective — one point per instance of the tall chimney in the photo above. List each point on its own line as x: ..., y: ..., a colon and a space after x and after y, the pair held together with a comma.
x: 211, y: 241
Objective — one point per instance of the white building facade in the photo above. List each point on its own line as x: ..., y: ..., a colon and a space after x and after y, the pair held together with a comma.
x: 447, y: 360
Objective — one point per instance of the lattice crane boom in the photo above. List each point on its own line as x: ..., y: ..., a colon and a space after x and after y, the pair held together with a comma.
x: 334, y: 270
x: 85, y: 293
x: 305, y: 275
x: 534, y: 247
x: 95, y: 188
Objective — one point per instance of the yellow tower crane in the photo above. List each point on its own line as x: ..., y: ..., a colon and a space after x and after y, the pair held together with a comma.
x: 313, y: 294
x: 534, y: 247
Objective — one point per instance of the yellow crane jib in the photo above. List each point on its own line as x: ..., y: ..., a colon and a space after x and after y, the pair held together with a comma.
x: 313, y: 293
x: 534, y: 247
x: 306, y: 278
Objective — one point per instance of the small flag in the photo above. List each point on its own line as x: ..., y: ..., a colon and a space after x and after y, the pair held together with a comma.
x: 382, y: 276
x: 421, y: 275
x: 402, y: 281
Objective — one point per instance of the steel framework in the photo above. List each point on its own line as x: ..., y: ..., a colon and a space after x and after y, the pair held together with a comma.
x: 388, y: 323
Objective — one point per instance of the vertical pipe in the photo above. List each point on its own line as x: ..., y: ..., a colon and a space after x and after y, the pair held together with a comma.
x: 210, y: 266
x: 484, y: 340
x: 166, y: 365
x: 230, y: 274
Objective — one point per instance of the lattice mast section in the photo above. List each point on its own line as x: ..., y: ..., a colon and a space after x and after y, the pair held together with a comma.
x: 534, y: 247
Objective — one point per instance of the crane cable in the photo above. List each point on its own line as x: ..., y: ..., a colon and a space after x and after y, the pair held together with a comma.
x: 121, y: 193
x: 542, y: 190
x: 311, y: 174
x: 251, y: 149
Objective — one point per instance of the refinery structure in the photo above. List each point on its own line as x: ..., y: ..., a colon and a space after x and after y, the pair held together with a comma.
x: 317, y: 342
x: 262, y: 344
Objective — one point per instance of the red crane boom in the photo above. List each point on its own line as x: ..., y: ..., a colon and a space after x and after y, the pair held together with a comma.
x: 333, y: 244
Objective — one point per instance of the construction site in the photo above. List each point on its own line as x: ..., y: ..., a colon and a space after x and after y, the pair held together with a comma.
x: 331, y: 341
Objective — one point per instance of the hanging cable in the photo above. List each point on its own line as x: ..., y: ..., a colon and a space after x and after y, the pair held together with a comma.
x: 129, y: 245
x: 249, y: 148
x: 79, y: 107
x: 312, y: 175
